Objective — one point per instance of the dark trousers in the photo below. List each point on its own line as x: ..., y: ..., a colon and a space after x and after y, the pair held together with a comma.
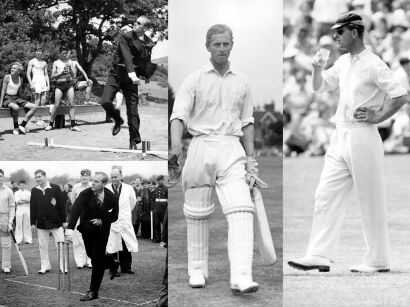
x: 95, y: 245
x: 164, y: 234
x: 125, y: 258
x: 158, y: 215
x: 118, y: 79
x: 137, y: 224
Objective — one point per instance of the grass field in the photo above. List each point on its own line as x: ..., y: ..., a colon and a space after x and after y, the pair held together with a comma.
x: 140, y: 289
x: 339, y: 287
x: 217, y: 291
x: 95, y: 133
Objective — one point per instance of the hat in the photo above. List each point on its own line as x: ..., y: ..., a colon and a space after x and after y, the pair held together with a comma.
x: 152, y: 182
x: 85, y: 172
x: 348, y: 18
x: 160, y: 177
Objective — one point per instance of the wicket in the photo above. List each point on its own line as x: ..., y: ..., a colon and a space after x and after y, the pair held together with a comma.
x: 64, y: 248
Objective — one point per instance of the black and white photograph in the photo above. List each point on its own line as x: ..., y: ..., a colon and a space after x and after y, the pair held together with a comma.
x: 105, y: 221
x: 225, y: 159
x: 346, y: 145
x: 83, y: 80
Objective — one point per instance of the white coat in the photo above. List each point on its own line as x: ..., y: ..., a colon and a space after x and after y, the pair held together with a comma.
x: 122, y: 228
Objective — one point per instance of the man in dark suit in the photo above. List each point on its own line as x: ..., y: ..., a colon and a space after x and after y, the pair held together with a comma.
x: 97, y: 208
x: 160, y: 202
x: 47, y: 215
x: 131, y: 60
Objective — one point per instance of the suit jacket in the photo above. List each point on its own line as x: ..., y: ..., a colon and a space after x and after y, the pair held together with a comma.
x: 134, y: 53
x: 86, y: 208
x: 43, y: 213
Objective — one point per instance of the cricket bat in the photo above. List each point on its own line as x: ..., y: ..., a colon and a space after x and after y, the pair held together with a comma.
x: 262, y: 231
x: 22, y: 260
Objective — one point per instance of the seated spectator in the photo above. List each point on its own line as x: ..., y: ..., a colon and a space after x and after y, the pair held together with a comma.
x: 11, y: 97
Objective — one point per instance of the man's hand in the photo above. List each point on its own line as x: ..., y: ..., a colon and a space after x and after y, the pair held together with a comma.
x: 368, y: 115
x: 251, y: 166
x: 96, y: 222
x: 65, y: 225
x: 173, y: 168
x: 134, y: 78
x: 68, y: 235
x: 33, y: 228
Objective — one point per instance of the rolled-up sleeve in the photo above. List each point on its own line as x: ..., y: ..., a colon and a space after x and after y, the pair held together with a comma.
x: 184, y: 100
x: 384, y: 79
x: 247, y: 108
x: 330, y: 77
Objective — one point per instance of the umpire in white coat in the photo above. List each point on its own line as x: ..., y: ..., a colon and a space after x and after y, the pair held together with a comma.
x: 122, y: 237
x: 368, y: 96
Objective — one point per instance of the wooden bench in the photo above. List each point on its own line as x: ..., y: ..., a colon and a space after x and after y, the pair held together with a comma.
x: 62, y: 110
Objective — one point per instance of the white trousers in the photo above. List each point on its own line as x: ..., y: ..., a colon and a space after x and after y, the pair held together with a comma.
x: 218, y: 163
x: 354, y: 160
x: 43, y: 239
x: 23, y: 228
x: 80, y: 255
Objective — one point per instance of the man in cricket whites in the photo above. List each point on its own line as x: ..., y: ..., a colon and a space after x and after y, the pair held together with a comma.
x: 368, y: 96
x: 215, y: 105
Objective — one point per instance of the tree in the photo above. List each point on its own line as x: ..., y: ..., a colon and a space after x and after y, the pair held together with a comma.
x: 84, y: 25
x: 20, y: 174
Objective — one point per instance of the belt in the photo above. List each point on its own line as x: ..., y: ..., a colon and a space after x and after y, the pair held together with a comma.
x: 161, y: 199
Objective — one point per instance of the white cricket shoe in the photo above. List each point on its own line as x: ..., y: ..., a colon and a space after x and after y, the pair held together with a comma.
x: 362, y: 268
x: 311, y: 263
x: 75, y: 128
x: 244, y: 286
x: 22, y: 130
x: 197, y: 279
x: 6, y: 270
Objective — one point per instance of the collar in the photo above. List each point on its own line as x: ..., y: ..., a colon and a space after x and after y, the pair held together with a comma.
x: 209, y: 67
x: 48, y: 186
x: 360, y: 55
x: 101, y: 194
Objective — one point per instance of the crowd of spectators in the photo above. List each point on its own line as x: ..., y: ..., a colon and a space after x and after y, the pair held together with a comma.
x: 308, y: 117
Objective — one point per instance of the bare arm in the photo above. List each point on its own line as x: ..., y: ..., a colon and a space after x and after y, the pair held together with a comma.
x: 81, y: 70
x: 177, y: 128
x: 248, y: 139
x: 373, y: 116
x: 29, y: 68
x: 3, y: 88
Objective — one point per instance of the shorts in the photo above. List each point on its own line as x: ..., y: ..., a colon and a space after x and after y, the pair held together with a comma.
x: 39, y: 84
x: 14, y: 99
x: 64, y: 86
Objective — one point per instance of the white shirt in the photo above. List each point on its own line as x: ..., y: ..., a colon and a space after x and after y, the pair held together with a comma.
x: 22, y: 195
x: 48, y: 186
x: 364, y: 81
x: 211, y: 104
x: 77, y: 189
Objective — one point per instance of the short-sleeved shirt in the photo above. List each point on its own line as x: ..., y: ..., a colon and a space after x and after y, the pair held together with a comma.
x: 364, y: 80
x: 211, y: 104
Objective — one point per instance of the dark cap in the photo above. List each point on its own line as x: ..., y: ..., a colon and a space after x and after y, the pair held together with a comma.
x: 160, y: 177
x: 348, y: 18
x: 145, y: 181
x: 152, y: 182
x: 85, y: 172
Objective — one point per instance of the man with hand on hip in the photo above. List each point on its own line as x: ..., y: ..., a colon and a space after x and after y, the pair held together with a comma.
x: 368, y: 96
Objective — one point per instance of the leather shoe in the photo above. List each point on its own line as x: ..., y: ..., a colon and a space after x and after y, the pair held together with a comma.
x: 114, y: 269
x: 128, y: 272
x: 117, y: 125
x: 197, y: 279
x: 369, y: 269
x: 91, y: 295
x: 311, y: 263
